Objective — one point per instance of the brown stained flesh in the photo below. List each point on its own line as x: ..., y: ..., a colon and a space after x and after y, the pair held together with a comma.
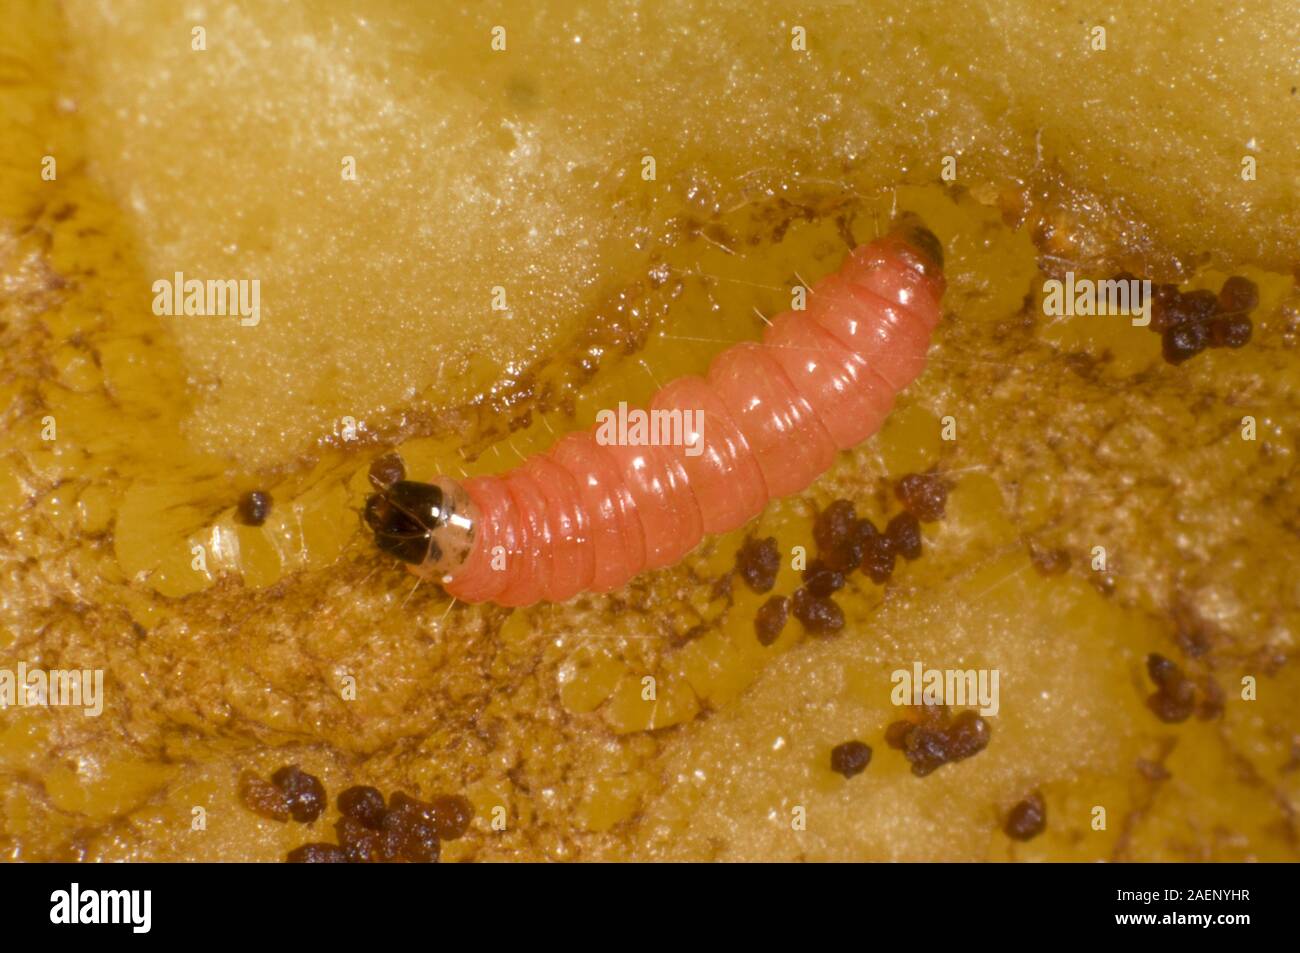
x: 1175, y: 698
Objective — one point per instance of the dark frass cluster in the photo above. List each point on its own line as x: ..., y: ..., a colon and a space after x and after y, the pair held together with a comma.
x: 369, y: 830
x: 845, y: 543
x: 938, y: 738
x: 291, y: 793
x: 405, y: 830
x: 1189, y: 322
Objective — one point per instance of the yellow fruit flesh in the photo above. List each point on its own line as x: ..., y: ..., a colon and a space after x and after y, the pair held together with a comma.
x: 1070, y: 433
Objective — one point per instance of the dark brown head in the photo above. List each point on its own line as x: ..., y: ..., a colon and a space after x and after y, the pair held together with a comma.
x: 429, y: 526
x: 924, y: 241
x: 922, y: 249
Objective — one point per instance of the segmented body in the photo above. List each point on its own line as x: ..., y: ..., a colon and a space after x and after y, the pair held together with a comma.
x: 588, y: 517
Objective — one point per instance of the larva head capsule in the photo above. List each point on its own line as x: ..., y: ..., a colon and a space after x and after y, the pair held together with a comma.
x: 920, y: 249
x: 924, y: 241
x: 429, y: 526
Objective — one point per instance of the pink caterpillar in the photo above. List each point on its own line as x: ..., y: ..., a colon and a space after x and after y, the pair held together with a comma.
x: 585, y: 516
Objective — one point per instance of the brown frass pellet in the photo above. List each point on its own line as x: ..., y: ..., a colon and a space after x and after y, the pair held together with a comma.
x: 848, y: 556
x: 904, y: 535
x: 450, y: 815
x: 758, y: 561
x: 821, y: 580
x: 254, y: 507
x: 925, y: 749
x: 819, y: 616
x: 878, y: 559
x: 317, y: 854
x: 939, y: 739
x: 968, y: 734
x: 863, y: 530
x: 263, y: 798
x: 850, y: 758
x: 1184, y: 341
x: 1164, y: 314
x: 839, y: 535
x: 1232, y: 331
x: 1199, y: 305
x: 361, y: 844
x: 1027, y: 819
x: 1161, y: 670
x: 409, y: 832
x: 363, y: 804
x: 896, y: 733
x: 770, y: 619
x: 1238, y: 296
x: 924, y: 495
x: 305, y: 793
x: 833, y: 525
x: 1211, y: 704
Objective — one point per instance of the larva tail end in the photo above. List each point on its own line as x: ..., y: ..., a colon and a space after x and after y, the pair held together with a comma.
x: 429, y: 526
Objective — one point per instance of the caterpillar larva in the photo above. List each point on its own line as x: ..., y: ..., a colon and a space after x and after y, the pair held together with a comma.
x: 587, y: 516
